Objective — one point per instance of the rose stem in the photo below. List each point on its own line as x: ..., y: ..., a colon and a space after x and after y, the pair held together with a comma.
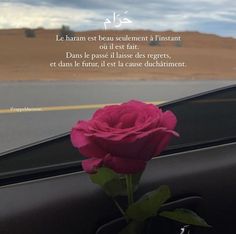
x: 129, y: 186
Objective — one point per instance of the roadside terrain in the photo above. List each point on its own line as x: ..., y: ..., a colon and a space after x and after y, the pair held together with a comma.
x: 206, y: 56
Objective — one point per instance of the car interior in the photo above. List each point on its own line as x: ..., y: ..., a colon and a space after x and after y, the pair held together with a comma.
x: 45, y: 191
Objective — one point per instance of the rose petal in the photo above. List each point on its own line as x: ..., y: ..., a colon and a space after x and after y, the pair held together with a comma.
x: 169, y: 120
x: 164, y: 141
x: 91, y: 165
x: 124, y: 165
x: 86, y: 145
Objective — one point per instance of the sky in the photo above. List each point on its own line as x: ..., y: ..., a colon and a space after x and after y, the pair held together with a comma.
x: 209, y: 16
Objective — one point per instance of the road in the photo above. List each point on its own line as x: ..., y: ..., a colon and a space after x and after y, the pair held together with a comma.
x: 63, y: 103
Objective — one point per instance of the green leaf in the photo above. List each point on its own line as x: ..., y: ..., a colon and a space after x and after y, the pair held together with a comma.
x: 133, y: 228
x: 149, y: 204
x: 112, y: 183
x: 114, y: 188
x: 185, y: 216
x: 103, y: 176
x: 108, y: 180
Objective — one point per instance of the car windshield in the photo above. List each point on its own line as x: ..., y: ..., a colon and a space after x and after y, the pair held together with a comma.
x: 38, y: 110
x: 205, y: 119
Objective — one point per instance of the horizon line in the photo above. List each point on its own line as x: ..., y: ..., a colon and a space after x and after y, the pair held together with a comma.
x: 120, y: 30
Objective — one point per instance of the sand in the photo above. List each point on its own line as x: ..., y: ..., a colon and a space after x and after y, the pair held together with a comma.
x: 206, y: 56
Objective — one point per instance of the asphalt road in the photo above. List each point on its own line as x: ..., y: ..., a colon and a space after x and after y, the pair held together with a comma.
x: 18, y: 129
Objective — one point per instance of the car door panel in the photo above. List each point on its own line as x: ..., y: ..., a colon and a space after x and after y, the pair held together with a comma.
x: 72, y: 204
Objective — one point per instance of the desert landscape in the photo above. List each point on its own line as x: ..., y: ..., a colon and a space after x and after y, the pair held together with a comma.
x: 207, y: 56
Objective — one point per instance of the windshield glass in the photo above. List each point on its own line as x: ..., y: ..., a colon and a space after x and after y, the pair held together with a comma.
x: 202, y: 121
x: 205, y: 119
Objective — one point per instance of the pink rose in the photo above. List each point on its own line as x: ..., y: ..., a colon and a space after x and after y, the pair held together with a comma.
x: 123, y: 137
